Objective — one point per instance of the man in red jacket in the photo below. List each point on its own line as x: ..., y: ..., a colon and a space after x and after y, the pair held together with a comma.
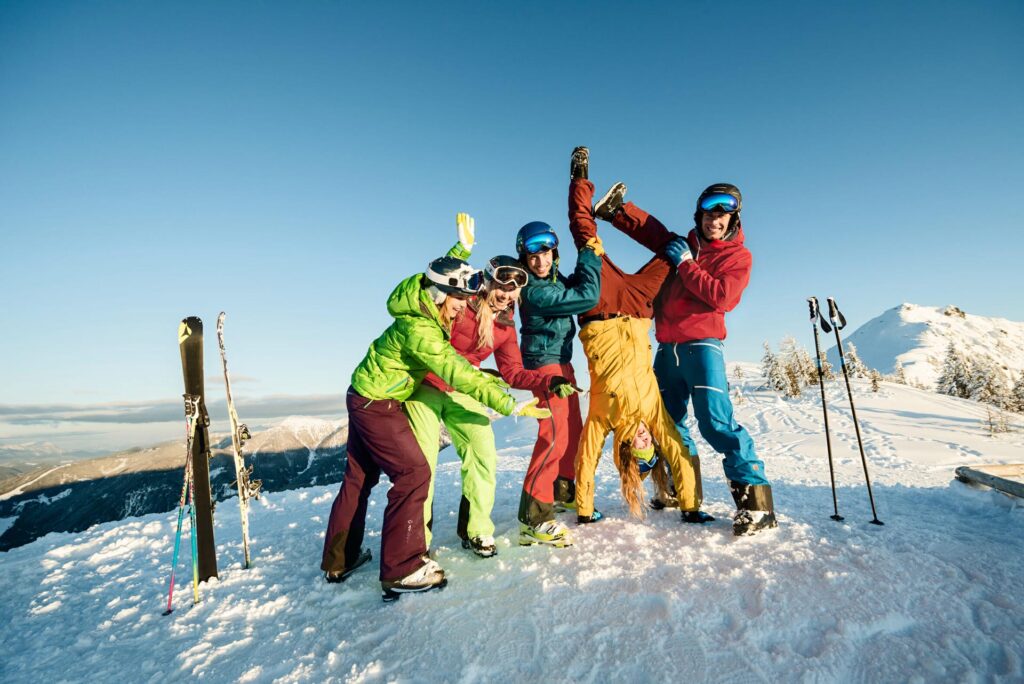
x: 712, y: 270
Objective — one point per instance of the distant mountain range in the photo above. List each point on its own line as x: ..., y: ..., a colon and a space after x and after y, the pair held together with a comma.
x: 299, y: 452
x: 917, y: 336
x: 71, y: 497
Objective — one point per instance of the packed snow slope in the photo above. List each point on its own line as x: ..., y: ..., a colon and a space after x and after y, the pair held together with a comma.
x: 933, y: 595
x: 917, y: 336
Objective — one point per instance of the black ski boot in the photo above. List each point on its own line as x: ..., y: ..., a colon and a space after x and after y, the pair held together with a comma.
x: 594, y: 517
x: 609, y: 205
x: 342, y: 575
x: 697, y: 517
x: 565, y: 495
x: 755, y: 509
x: 579, y: 165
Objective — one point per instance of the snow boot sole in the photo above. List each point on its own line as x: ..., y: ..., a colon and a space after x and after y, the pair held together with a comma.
x: 392, y: 595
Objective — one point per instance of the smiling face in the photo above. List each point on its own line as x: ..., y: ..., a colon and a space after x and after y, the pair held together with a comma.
x: 714, y: 224
x: 452, y: 307
x: 642, y: 438
x: 540, y: 263
x: 501, y: 297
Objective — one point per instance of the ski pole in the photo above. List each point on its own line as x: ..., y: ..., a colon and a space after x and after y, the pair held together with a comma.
x: 192, y: 520
x: 838, y: 323
x: 815, y: 315
x: 190, y: 431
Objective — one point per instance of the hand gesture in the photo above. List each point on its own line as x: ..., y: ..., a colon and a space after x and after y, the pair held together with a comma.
x: 466, y: 227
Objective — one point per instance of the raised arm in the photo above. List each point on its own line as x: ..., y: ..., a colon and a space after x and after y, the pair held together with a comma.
x: 581, y: 293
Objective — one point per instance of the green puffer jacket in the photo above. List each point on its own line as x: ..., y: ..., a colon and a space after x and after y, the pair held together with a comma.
x: 417, y: 343
x: 547, y: 308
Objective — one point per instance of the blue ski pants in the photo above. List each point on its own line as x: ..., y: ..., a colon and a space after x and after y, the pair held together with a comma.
x: 695, y: 371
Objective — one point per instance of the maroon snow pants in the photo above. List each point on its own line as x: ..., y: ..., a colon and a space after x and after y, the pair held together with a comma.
x: 379, y: 439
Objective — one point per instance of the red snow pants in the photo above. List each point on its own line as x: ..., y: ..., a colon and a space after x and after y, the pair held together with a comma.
x: 554, y: 454
x: 380, y: 438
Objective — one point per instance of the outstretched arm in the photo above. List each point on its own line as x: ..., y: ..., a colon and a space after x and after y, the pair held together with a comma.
x: 642, y: 227
x: 510, y: 365
x: 581, y: 220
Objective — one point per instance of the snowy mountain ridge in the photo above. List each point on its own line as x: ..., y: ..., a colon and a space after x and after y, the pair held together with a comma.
x: 917, y: 337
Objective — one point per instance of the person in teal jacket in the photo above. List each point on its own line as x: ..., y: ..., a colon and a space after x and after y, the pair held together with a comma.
x: 380, y: 438
x: 549, y: 301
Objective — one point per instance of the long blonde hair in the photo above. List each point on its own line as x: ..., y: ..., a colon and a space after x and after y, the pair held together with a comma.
x: 632, y: 484
x: 485, y: 317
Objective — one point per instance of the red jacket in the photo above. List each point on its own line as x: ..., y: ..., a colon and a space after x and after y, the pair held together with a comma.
x: 505, y: 350
x: 692, y: 306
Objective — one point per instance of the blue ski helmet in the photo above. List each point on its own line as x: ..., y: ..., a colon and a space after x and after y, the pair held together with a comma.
x: 454, y: 276
x: 534, y: 237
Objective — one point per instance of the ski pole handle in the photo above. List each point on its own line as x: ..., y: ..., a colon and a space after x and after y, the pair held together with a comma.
x: 812, y: 303
x: 835, y: 314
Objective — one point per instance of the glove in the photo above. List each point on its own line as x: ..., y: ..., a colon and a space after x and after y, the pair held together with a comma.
x: 530, y: 410
x: 466, y: 227
x: 678, y: 251
x: 560, y: 386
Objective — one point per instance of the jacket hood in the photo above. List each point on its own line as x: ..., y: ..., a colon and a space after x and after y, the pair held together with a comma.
x: 410, y: 299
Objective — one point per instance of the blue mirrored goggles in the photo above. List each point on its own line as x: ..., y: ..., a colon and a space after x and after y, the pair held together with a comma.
x: 719, y: 202
x: 539, y: 243
x: 647, y: 466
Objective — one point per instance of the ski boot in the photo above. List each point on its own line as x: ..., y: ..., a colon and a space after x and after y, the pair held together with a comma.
x: 755, y: 509
x: 596, y: 516
x: 697, y: 517
x: 428, y: 576
x: 482, y: 546
x: 551, y: 533
x: 609, y: 205
x: 342, y: 575
x: 579, y: 166
x: 565, y: 495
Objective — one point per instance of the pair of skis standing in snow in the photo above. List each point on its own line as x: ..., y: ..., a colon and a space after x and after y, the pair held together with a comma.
x: 416, y: 375
x: 204, y: 565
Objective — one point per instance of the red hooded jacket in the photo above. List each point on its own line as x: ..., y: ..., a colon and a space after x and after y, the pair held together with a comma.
x: 505, y: 350
x: 692, y: 305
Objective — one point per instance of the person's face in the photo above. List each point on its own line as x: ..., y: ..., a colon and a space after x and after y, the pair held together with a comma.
x: 540, y: 263
x: 502, y: 297
x: 714, y: 224
x: 642, y: 438
x: 452, y: 307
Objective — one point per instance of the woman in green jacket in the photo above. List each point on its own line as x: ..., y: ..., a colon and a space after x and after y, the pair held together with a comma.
x: 380, y: 437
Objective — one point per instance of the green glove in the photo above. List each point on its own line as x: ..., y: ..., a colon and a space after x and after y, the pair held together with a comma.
x: 561, y: 386
x: 530, y: 410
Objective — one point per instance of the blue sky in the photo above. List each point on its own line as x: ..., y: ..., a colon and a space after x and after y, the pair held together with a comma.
x: 290, y: 162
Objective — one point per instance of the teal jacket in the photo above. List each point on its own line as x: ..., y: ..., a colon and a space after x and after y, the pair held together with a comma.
x: 415, y: 344
x: 547, y: 308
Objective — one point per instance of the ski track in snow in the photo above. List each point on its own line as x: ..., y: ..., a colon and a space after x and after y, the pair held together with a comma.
x: 933, y: 595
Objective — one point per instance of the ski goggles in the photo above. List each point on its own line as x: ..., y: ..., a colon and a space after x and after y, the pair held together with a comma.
x: 508, y: 275
x: 719, y: 201
x: 540, y: 242
x: 466, y: 281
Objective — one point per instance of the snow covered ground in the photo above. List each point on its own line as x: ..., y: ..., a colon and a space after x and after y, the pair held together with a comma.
x: 934, y: 595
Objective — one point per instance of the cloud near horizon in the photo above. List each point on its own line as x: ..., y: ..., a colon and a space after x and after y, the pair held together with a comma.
x: 168, y: 411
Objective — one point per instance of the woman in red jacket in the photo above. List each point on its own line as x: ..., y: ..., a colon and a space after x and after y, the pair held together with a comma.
x: 712, y: 268
x: 486, y: 326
